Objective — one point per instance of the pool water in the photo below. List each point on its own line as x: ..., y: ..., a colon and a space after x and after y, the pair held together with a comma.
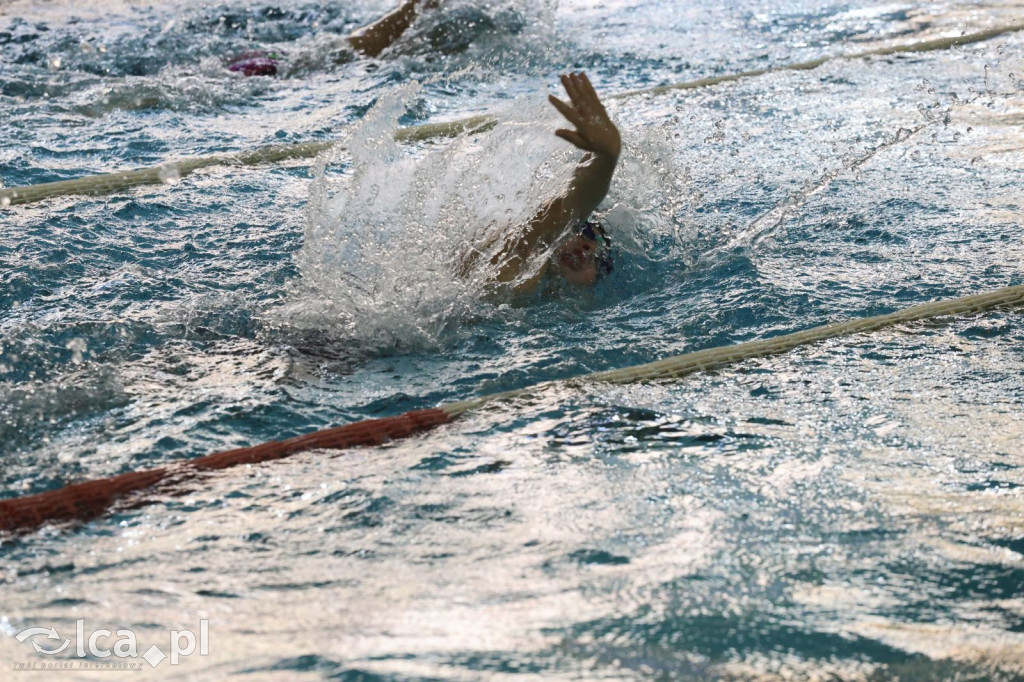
x: 851, y: 510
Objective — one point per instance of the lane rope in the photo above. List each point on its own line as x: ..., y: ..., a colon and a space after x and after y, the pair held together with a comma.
x: 83, y: 501
x: 109, y: 183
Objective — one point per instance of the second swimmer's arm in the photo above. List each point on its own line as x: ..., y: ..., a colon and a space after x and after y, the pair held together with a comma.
x: 373, y: 39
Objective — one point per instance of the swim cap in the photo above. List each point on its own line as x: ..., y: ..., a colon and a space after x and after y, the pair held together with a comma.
x: 594, y: 231
x: 255, y: 63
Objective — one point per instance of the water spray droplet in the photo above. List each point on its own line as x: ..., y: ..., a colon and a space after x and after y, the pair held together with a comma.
x: 169, y: 174
x: 77, y: 347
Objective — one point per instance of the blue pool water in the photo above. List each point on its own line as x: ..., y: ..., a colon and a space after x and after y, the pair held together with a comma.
x: 851, y: 510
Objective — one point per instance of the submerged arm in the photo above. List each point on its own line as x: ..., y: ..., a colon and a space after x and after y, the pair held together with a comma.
x: 597, y: 135
x: 373, y: 39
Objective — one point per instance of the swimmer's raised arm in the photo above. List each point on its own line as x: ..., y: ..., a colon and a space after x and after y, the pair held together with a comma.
x: 595, y: 134
x: 373, y: 39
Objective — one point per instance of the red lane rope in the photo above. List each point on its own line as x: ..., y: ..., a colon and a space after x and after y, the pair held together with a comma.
x: 83, y: 501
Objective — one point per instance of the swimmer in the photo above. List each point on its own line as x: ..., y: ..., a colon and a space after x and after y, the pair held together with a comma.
x: 369, y: 41
x: 580, y: 248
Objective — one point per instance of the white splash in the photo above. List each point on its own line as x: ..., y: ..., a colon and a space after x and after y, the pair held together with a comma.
x: 389, y: 226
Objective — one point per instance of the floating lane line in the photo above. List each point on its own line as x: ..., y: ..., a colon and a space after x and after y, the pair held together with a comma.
x: 109, y: 183
x: 83, y: 501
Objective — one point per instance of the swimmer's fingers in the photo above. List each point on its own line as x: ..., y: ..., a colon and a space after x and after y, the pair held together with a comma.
x: 564, y: 109
x: 585, y: 100
x: 571, y: 87
x: 574, y: 117
x: 578, y: 94
x: 574, y: 138
x: 588, y: 89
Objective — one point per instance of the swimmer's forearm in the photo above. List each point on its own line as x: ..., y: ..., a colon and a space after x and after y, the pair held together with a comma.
x: 373, y: 39
x: 586, y: 191
x: 590, y: 184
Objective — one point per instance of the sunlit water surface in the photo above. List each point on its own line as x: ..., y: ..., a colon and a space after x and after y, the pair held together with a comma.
x: 852, y: 510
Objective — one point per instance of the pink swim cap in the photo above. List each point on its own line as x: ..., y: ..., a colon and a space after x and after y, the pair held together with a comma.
x: 254, y: 64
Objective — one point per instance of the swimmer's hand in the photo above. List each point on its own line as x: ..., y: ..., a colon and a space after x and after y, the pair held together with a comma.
x: 595, y: 131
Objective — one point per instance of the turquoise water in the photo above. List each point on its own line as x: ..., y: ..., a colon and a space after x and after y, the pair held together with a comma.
x: 850, y: 510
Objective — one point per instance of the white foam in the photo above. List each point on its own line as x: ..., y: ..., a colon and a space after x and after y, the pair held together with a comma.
x: 389, y: 227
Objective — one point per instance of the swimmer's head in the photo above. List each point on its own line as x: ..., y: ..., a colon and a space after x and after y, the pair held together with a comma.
x: 586, y: 256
